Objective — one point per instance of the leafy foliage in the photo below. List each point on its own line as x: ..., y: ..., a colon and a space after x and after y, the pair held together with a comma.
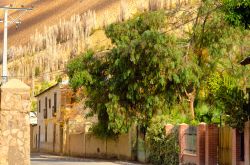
x: 219, y: 47
x: 164, y: 148
x: 43, y: 86
x: 231, y: 98
x: 149, y: 72
x: 33, y: 106
x: 146, y: 70
x: 141, y: 76
x: 237, y: 12
x: 88, y: 73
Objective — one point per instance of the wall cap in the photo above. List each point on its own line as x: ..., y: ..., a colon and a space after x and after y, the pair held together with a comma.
x: 183, y: 124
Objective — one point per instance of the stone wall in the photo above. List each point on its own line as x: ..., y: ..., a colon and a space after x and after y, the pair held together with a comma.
x: 14, y: 123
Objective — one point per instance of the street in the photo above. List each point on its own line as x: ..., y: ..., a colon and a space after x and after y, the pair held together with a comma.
x: 44, y: 159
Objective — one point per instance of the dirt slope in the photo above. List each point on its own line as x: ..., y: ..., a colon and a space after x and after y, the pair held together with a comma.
x: 46, y: 13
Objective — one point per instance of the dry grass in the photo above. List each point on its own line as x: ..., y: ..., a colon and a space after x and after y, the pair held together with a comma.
x: 123, y: 10
x: 76, y: 29
x: 48, y: 50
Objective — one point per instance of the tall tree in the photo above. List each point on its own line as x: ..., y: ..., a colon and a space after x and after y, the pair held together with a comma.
x: 141, y: 76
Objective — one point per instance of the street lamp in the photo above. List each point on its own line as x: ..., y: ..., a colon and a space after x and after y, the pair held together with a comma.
x: 5, y: 36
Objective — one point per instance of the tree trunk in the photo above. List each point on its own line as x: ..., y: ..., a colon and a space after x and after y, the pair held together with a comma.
x: 191, y: 98
x: 191, y: 106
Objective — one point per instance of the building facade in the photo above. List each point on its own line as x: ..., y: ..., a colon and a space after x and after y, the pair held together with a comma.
x: 50, y: 104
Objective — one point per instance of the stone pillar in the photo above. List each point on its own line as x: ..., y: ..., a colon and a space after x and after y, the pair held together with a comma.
x: 247, y: 143
x: 182, y: 128
x: 235, y: 147
x: 14, y: 123
x: 212, y: 142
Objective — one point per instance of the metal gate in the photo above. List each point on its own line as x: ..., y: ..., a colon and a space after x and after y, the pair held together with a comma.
x: 225, y: 145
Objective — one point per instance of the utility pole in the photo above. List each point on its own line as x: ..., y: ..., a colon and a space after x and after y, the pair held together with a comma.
x: 5, y: 36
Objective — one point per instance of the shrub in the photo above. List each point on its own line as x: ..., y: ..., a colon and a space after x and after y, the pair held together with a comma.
x: 163, y: 149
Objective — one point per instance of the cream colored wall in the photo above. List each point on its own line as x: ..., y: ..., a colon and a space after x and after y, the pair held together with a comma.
x: 48, y: 146
x: 121, y: 147
x: 95, y: 147
x: 77, y: 145
x: 88, y: 145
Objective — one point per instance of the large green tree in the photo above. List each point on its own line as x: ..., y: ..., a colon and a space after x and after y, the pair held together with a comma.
x: 143, y: 75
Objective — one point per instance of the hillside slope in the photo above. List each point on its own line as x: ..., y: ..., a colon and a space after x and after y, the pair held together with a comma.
x: 46, y: 13
x: 51, y: 42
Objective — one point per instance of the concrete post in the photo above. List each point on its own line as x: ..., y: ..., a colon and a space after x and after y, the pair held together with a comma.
x: 182, y: 128
x: 14, y: 123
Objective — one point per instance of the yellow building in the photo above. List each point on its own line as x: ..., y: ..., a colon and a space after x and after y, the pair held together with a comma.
x: 50, y: 103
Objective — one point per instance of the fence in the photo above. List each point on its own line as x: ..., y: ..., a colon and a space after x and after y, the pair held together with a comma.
x: 210, y: 145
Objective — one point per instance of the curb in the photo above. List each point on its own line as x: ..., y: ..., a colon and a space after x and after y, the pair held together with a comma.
x: 75, y: 159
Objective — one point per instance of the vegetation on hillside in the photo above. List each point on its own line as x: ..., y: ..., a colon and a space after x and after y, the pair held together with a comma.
x: 237, y: 12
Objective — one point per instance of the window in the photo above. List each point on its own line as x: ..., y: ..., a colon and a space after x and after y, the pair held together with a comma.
x: 49, y: 103
x: 45, y: 109
x: 39, y: 136
x: 55, y: 102
x: 190, y: 140
x: 36, y: 142
x: 46, y: 133
x: 39, y: 106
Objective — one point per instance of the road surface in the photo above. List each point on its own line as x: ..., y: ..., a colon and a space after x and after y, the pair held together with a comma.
x: 42, y: 159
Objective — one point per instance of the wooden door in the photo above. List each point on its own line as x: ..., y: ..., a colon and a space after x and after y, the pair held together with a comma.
x: 225, y: 145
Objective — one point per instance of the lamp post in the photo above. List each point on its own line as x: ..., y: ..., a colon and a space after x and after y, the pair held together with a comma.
x: 5, y: 38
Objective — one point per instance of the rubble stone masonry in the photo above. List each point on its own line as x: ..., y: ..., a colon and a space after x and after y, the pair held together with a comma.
x: 14, y: 123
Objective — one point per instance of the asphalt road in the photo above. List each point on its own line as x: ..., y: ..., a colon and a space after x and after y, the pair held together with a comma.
x: 39, y: 159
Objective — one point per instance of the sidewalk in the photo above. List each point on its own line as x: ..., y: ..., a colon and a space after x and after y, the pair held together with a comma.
x: 78, y: 159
